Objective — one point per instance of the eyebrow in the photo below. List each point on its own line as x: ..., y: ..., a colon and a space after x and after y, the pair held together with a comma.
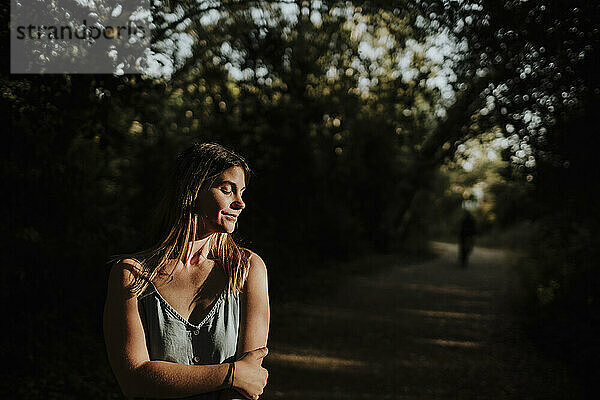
x: 231, y: 183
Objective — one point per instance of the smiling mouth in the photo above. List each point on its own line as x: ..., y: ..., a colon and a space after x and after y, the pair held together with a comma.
x: 232, y: 216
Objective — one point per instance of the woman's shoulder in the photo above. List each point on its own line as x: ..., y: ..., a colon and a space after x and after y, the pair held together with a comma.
x: 254, y: 260
x: 125, y: 273
x: 257, y: 271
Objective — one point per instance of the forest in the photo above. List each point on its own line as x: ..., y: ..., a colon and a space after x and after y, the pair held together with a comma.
x: 369, y: 126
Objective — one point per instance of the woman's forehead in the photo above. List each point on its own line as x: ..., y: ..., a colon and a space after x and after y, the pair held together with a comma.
x: 234, y: 174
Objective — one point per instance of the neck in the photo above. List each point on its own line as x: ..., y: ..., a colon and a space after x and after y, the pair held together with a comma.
x: 198, y: 250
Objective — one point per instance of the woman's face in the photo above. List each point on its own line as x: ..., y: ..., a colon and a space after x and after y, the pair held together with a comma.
x: 220, y: 206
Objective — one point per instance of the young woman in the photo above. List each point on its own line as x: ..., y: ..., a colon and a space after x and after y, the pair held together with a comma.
x: 190, y: 316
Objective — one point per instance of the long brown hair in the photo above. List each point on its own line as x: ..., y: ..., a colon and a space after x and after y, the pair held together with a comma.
x: 196, y: 169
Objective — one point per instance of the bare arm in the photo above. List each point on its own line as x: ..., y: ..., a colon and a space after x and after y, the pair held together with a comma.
x: 129, y: 359
x: 255, y: 314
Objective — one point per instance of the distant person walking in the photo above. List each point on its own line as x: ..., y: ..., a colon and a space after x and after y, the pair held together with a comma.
x: 467, y: 237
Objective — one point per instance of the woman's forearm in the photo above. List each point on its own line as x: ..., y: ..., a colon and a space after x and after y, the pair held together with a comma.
x: 164, y: 379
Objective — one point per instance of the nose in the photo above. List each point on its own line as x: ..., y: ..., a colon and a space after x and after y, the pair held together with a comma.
x: 238, y: 203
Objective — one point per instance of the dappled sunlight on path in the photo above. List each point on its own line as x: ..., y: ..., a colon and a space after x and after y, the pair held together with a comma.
x: 300, y: 358
x: 428, y: 330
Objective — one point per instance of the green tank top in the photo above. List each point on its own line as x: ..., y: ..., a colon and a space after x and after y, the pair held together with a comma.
x: 170, y: 337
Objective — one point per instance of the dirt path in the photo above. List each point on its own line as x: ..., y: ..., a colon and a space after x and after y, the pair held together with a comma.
x: 429, y: 330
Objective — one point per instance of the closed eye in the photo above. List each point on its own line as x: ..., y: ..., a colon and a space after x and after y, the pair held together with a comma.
x: 227, y: 187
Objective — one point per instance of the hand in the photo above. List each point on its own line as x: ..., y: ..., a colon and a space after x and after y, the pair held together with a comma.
x: 250, y: 377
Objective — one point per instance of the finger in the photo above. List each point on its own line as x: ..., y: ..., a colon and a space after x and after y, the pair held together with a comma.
x: 262, y: 352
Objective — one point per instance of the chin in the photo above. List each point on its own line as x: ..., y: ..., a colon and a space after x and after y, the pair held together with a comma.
x: 228, y: 228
